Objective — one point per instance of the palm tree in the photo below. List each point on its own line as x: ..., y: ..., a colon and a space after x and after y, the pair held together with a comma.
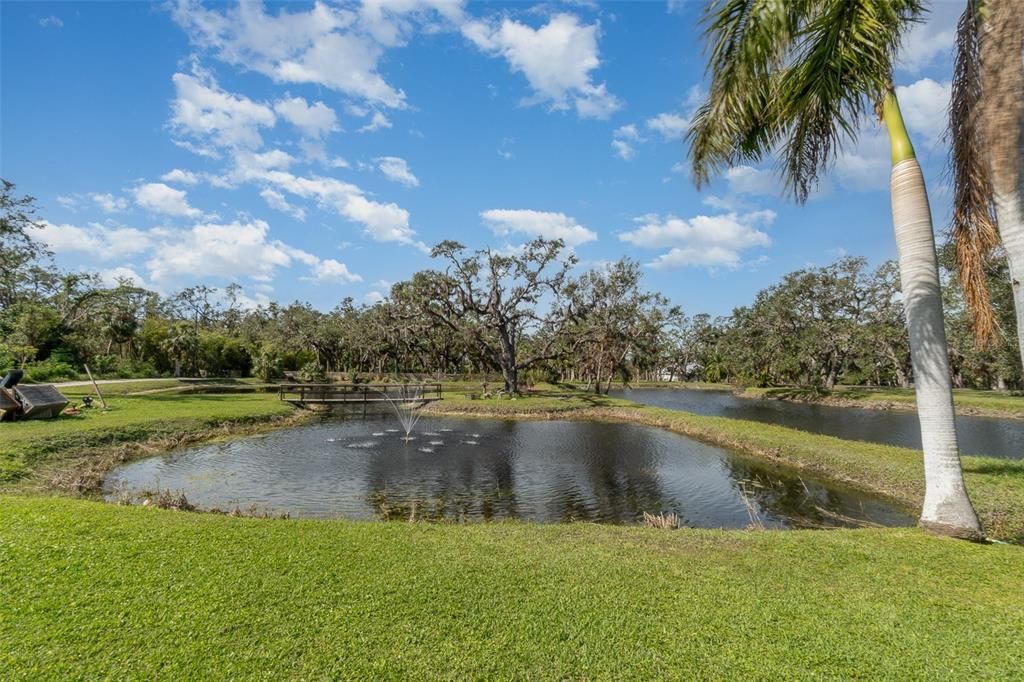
x: 986, y: 127
x: 796, y: 78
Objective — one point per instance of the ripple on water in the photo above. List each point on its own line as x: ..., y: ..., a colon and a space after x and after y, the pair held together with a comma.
x: 542, y: 471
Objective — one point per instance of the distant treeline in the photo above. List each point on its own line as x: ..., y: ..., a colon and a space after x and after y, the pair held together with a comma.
x: 527, y: 314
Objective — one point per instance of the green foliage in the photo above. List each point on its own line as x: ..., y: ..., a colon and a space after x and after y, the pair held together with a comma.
x: 795, y: 79
x: 49, y: 371
x: 313, y: 372
x: 267, y: 364
x: 494, y: 314
x: 117, y: 367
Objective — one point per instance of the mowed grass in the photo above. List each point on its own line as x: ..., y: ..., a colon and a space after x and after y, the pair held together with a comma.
x: 103, y: 591
x: 27, y: 444
x: 968, y: 401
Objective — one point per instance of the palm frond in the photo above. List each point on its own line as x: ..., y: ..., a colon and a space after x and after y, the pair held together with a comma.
x: 747, y: 40
x: 796, y: 76
x: 973, y: 228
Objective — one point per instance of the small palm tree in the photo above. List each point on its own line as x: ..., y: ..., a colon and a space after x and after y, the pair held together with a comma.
x: 796, y: 78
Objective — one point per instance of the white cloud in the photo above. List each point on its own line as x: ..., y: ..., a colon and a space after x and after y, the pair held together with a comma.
x: 624, y: 140
x: 397, y: 169
x: 51, y: 22
x: 382, y: 222
x: 109, y: 203
x: 322, y: 46
x: 924, y: 105
x: 230, y: 250
x: 867, y: 165
x: 673, y: 125
x: 182, y: 177
x: 68, y: 202
x: 750, y: 180
x: 670, y: 126
x: 160, y: 198
x: 623, y: 149
x: 95, y: 240
x: 374, y: 297
x: 112, y: 277
x: 212, y: 116
x: 391, y: 21
x: 711, y: 241
x: 277, y: 201
x: 314, y: 120
x: 273, y: 159
x: 331, y: 270
x: 545, y: 224
x: 933, y: 38
x: 557, y: 60
x: 377, y: 122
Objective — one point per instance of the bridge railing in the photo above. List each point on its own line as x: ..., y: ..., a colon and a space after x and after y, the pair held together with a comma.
x: 359, y: 393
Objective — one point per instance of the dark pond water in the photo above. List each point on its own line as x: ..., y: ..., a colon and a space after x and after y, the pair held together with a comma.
x: 546, y: 471
x: 978, y: 435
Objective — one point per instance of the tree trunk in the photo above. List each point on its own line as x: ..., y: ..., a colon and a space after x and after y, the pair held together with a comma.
x: 1002, y: 77
x: 511, y: 376
x: 947, y: 508
x: 1010, y: 217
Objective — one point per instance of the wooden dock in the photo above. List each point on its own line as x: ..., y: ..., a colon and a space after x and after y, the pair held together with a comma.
x: 359, y: 394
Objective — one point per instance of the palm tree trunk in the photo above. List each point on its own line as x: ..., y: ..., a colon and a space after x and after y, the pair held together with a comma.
x: 1010, y: 217
x: 947, y: 508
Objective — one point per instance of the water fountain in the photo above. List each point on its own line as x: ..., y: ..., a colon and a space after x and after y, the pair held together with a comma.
x: 407, y: 407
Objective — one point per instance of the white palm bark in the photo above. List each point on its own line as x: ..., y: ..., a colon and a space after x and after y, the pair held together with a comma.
x: 947, y: 508
x: 1010, y: 218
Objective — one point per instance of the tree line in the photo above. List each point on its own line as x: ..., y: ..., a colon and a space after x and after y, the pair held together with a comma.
x: 523, y: 315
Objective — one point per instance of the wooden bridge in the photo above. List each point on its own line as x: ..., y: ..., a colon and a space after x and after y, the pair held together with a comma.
x: 359, y: 394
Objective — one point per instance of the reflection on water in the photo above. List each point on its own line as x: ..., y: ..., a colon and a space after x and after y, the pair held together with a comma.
x: 479, y: 470
x: 978, y: 435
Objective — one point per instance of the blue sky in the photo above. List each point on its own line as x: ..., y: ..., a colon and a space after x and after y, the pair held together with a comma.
x: 313, y: 151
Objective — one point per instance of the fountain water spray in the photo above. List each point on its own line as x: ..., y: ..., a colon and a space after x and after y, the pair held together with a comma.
x: 407, y: 407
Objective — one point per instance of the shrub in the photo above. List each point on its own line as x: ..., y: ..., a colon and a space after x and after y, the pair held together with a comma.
x: 313, y: 372
x: 267, y: 365
x: 49, y: 370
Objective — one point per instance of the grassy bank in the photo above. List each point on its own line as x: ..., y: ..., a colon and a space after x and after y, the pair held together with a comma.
x: 996, y: 485
x: 72, y: 453
x: 141, y: 593
x: 153, y: 420
x: 967, y: 401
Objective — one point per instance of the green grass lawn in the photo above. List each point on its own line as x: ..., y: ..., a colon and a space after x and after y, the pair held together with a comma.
x: 102, y: 591
x: 96, y: 590
x: 27, y: 444
x: 968, y: 401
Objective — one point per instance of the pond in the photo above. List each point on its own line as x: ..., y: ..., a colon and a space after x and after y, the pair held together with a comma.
x: 994, y: 437
x: 544, y: 471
